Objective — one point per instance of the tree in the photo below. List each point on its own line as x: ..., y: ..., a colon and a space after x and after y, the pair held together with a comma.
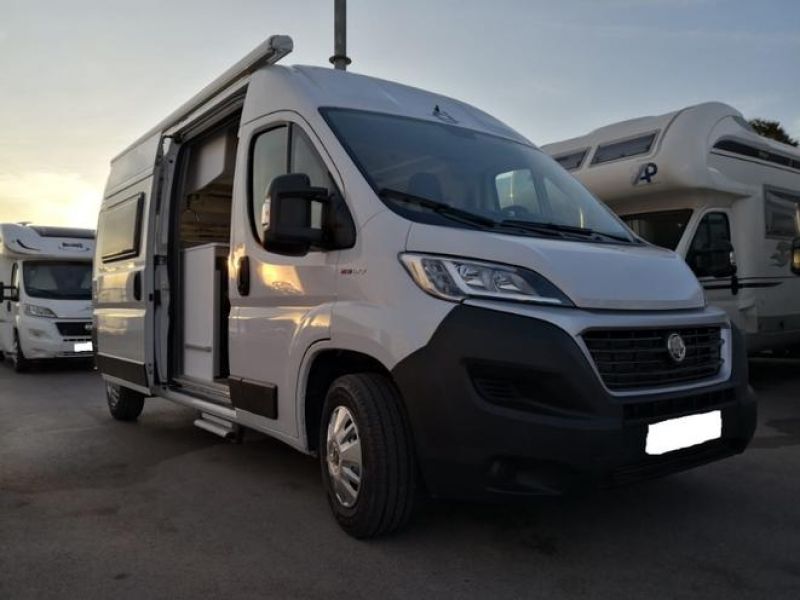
x: 773, y: 130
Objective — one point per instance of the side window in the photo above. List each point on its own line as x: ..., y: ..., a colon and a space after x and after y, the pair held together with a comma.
x: 305, y: 159
x: 120, y: 230
x: 713, y: 232
x: 267, y: 160
x: 782, y: 213
x: 516, y: 188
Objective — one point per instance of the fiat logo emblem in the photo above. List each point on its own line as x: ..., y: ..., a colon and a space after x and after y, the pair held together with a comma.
x: 676, y: 347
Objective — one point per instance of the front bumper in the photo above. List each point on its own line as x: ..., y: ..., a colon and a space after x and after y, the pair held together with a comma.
x: 40, y: 338
x: 475, y: 440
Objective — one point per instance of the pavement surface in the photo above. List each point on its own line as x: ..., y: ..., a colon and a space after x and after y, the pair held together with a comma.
x: 94, y: 508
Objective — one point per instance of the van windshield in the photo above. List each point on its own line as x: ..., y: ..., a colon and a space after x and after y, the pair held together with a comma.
x: 468, y: 174
x: 58, y: 280
x: 663, y: 228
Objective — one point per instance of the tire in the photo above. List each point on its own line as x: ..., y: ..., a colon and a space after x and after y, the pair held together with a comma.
x: 124, y: 404
x: 386, y: 489
x: 19, y: 362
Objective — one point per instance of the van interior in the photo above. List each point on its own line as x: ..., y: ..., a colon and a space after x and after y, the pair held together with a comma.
x: 201, y: 209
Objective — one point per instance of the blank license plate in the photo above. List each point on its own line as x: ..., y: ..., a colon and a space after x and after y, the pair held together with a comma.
x: 83, y: 347
x: 683, y: 432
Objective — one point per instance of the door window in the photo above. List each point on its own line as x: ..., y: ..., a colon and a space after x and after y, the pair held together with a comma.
x: 279, y: 151
x: 268, y: 160
x: 712, y: 233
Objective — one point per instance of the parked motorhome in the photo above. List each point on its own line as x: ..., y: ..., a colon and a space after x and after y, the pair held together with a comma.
x: 46, y: 277
x: 701, y: 182
x: 404, y: 286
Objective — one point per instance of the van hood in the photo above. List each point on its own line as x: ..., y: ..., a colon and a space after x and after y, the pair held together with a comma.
x: 64, y: 309
x: 592, y: 275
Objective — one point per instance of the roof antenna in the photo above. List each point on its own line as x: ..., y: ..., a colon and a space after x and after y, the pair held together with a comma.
x: 340, y: 60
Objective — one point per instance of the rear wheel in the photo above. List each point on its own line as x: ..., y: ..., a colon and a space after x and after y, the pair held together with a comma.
x: 124, y: 404
x: 17, y: 356
x: 366, y: 456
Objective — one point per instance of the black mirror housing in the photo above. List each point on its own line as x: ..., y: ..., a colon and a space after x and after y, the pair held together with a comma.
x: 8, y: 292
x: 291, y: 208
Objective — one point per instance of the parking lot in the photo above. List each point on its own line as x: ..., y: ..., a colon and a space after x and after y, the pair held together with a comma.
x: 94, y: 508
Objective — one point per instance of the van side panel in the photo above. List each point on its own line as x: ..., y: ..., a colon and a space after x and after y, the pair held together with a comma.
x: 123, y: 302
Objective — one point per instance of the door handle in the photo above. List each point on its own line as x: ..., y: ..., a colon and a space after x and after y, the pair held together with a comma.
x: 243, y: 275
x: 137, y: 286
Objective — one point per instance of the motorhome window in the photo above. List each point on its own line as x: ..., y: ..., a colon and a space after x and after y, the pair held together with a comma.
x: 743, y: 149
x: 712, y: 232
x: 663, y: 228
x: 269, y: 159
x: 58, y: 280
x: 121, y: 229
x: 573, y: 160
x: 782, y: 213
x: 616, y: 150
x: 466, y: 169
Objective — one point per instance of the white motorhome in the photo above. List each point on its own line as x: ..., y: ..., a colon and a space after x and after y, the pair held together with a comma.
x: 402, y: 285
x: 701, y: 182
x: 45, y: 282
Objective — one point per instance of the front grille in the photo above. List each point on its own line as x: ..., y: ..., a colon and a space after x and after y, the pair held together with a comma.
x: 668, y: 408
x: 639, y: 358
x: 81, y: 329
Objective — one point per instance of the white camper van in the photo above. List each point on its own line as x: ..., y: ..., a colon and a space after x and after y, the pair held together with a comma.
x: 400, y: 284
x: 46, y: 277
x: 701, y: 182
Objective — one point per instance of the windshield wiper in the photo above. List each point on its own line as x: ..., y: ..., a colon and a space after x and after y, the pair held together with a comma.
x: 441, y: 208
x: 582, y: 231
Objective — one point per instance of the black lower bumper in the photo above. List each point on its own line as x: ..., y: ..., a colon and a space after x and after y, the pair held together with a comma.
x: 501, y: 404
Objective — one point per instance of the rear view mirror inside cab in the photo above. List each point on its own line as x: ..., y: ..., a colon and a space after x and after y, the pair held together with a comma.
x: 293, y: 216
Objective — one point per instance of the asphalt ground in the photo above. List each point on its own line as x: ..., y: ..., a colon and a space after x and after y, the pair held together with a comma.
x: 94, y: 508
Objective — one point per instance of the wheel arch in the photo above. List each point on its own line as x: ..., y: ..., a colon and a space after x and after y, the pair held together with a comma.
x: 322, y: 369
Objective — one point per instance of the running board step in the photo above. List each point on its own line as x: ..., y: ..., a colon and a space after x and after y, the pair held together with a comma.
x: 217, y: 426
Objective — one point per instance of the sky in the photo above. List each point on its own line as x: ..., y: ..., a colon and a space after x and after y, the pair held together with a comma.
x: 80, y: 80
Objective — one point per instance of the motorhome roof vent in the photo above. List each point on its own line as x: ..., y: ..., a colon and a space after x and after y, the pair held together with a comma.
x: 64, y: 232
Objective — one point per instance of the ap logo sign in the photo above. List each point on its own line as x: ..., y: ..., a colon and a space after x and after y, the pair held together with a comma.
x: 646, y: 174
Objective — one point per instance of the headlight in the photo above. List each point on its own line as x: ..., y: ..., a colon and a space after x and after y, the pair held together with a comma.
x: 456, y: 279
x: 39, y: 311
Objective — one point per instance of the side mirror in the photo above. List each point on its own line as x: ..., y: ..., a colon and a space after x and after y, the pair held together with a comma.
x: 717, y: 261
x: 8, y: 292
x: 294, y: 215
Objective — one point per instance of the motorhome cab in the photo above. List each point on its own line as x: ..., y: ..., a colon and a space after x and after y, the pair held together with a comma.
x: 399, y: 283
x: 701, y: 182
x: 45, y: 282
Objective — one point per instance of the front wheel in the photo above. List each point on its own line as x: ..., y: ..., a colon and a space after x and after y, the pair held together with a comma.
x: 124, y: 404
x: 366, y: 456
